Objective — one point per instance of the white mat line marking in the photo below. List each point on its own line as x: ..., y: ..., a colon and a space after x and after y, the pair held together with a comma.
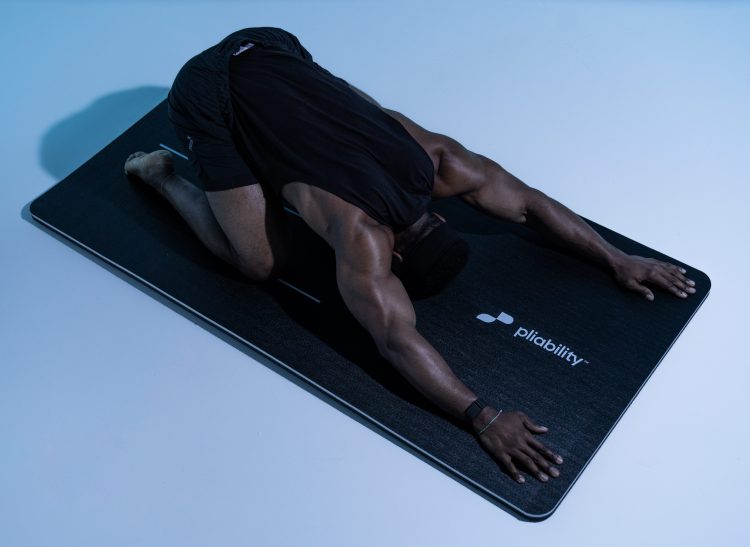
x: 297, y: 289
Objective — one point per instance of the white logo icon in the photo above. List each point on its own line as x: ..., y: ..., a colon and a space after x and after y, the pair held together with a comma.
x: 503, y: 318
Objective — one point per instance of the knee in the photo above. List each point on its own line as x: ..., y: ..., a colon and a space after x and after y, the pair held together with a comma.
x: 262, y: 268
x: 256, y: 269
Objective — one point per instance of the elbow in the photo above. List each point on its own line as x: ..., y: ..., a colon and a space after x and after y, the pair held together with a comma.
x: 388, y: 343
x: 533, y: 205
x: 394, y: 340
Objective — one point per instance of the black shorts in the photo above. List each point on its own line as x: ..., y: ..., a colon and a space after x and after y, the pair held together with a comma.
x: 272, y: 115
x: 200, y: 109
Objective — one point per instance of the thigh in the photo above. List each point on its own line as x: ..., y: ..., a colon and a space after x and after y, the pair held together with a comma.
x: 253, y: 220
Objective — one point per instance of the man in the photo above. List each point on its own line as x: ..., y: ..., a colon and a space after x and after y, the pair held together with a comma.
x: 256, y: 108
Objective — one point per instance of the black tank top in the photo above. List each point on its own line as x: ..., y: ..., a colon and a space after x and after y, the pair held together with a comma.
x: 292, y: 120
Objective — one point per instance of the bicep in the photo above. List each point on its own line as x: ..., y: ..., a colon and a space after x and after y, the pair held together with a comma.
x: 495, y: 191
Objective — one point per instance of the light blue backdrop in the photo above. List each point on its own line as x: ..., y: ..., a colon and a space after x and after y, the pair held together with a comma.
x: 123, y: 423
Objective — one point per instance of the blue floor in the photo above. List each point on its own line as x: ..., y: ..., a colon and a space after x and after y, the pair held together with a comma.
x: 123, y: 423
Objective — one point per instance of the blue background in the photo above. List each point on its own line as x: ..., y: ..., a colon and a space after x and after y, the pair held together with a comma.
x: 124, y: 423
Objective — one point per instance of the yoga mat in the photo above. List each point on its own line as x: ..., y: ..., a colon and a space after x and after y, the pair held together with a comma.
x: 516, y: 282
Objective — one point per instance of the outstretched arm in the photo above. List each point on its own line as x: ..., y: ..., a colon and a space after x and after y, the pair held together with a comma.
x: 493, y: 190
x: 379, y: 302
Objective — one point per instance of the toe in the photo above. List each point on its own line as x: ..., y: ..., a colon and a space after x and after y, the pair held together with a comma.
x: 132, y: 157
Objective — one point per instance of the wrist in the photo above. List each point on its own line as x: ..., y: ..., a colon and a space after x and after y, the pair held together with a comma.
x: 615, y: 258
x: 483, y: 418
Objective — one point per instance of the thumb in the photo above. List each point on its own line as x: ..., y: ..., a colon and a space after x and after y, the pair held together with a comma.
x: 641, y: 289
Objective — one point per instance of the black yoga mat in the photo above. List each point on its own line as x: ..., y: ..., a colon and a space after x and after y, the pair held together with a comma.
x: 525, y: 325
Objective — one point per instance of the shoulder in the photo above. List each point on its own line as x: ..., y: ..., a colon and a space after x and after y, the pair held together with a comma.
x: 363, y: 247
x: 361, y: 243
x: 343, y: 225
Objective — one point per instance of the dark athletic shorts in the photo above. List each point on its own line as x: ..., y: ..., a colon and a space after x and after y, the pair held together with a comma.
x: 271, y: 115
x: 200, y: 109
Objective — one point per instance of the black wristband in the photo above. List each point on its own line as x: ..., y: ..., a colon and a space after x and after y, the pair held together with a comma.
x: 474, y: 409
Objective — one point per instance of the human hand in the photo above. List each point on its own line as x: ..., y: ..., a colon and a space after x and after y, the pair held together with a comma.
x: 509, y: 439
x: 631, y: 272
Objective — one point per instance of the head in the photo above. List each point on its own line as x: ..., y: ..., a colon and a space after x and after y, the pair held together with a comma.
x: 428, y: 255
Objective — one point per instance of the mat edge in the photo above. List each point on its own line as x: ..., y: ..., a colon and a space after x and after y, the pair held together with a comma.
x: 454, y: 473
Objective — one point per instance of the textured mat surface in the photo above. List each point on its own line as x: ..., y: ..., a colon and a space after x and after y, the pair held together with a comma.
x: 525, y: 325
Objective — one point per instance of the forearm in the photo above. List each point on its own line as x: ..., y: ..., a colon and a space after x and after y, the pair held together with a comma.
x: 425, y: 369
x: 544, y: 213
x: 572, y: 231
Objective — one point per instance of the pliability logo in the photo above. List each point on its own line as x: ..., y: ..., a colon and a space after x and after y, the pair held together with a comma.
x: 530, y: 335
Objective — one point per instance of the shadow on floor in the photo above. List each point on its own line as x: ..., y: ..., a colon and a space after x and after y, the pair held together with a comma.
x: 77, y: 138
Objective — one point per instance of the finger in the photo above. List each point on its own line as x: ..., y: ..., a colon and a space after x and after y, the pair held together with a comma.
x: 507, y: 464
x: 546, y: 452
x: 530, y: 465
x: 680, y: 273
x: 533, y: 427
x: 644, y: 291
x: 540, y: 462
x: 666, y: 282
x: 680, y: 281
x: 676, y: 267
x: 685, y: 284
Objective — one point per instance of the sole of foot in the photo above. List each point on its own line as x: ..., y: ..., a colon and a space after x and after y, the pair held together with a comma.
x: 152, y: 168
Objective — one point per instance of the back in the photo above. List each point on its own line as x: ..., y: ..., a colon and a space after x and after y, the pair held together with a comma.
x: 295, y: 121
x: 277, y: 117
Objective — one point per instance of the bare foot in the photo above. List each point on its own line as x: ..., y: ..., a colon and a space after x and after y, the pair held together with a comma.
x: 153, y: 168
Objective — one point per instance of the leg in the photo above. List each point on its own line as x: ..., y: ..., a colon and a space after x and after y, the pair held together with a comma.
x: 256, y: 228
x: 234, y: 224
